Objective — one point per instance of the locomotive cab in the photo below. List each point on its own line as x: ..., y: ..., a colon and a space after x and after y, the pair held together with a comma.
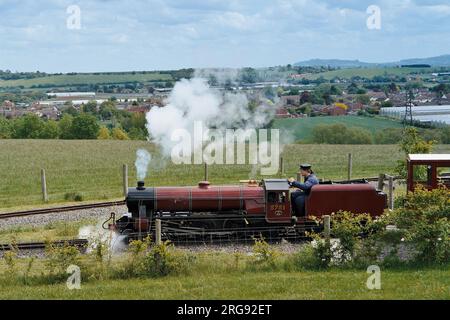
x: 278, y: 205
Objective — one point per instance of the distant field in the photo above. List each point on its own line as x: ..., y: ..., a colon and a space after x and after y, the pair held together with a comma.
x: 80, y: 79
x: 94, y: 168
x: 368, y: 72
x: 301, y: 128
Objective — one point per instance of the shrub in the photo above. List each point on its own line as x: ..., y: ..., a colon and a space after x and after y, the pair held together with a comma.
x: 103, y: 134
x: 73, y: 196
x: 159, y: 261
x: 316, y: 255
x: 263, y: 255
x: 340, y: 134
x: 119, y: 134
x: 59, y: 258
x: 424, y: 219
x: 355, y: 241
x: 412, y: 143
x: 11, y: 261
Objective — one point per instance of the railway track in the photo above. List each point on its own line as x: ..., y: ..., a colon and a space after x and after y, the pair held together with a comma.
x: 60, y: 209
x: 79, y: 243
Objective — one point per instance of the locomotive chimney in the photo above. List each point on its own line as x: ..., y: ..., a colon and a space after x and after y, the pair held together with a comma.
x: 204, y: 184
x: 140, y: 185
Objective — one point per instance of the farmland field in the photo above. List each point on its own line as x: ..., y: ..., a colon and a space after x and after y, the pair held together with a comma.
x: 94, y: 168
x: 85, y: 79
x: 301, y: 128
x: 369, y: 72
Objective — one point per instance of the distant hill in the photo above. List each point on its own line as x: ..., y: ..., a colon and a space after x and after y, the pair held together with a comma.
x: 336, y: 63
x: 439, y: 61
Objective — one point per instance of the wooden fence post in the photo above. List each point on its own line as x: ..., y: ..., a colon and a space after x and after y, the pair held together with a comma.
x: 381, y: 178
x: 327, y: 227
x: 281, y: 167
x: 206, y: 172
x: 44, y: 186
x: 391, y: 193
x: 350, y: 166
x: 125, y: 180
x: 158, y: 231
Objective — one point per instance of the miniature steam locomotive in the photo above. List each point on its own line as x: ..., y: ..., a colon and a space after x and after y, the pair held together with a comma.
x: 254, y: 206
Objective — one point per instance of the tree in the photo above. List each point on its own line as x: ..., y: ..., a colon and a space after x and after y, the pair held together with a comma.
x: 137, y: 134
x: 305, y: 97
x: 248, y: 75
x: 50, y: 130
x: 363, y: 98
x: 5, y: 128
x: 103, y: 134
x: 119, y: 134
x: 388, y: 136
x: 28, y: 127
x: 107, y: 110
x: 65, y: 127
x: 393, y: 88
x: 412, y: 143
x: 387, y: 104
x: 352, y: 88
x: 85, y: 126
x: 445, y: 135
x: 90, y: 107
x: 340, y: 134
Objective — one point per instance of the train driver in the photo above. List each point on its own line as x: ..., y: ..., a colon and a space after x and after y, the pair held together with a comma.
x: 298, y: 198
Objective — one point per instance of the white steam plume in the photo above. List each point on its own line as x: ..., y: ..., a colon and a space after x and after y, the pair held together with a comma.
x: 96, y: 236
x: 143, y: 159
x: 194, y: 100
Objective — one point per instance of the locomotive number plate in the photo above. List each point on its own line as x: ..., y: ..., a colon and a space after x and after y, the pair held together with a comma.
x: 278, y: 207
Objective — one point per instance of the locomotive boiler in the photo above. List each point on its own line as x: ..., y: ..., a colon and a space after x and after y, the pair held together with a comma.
x: 250, y: 207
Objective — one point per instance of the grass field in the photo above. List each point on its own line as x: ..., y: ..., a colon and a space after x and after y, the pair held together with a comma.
x: 301, y: 128
x: 369, y: 72
x: 215, y: 276
x: 94, y: 168
x: 85, y: 79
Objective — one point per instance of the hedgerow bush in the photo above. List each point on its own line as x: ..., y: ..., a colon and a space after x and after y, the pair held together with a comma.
x: 424, y: 224
x: 263, y: 256
x: 416, y: 232
x: 59, y: 258
x: 150, y: 260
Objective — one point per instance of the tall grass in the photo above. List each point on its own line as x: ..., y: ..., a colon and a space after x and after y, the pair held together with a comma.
x: 94, y: 168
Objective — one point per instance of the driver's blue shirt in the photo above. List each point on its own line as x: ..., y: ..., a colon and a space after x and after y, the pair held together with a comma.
x: 310, y: 181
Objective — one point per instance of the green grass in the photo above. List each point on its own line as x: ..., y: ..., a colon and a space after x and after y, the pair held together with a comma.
x: 369, y: 72
x: 215, y: 278
x: 94, y: 168
x: 58, y: 230
x: 301, y: 128
x: 86, y: 79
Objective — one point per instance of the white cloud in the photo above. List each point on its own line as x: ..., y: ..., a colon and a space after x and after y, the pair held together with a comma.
x: 168, y: 34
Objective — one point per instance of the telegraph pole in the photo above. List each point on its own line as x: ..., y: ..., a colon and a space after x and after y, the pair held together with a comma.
x: 408, y: 119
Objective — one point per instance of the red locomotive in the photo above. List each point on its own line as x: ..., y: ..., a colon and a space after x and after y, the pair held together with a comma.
x: 253, y: 207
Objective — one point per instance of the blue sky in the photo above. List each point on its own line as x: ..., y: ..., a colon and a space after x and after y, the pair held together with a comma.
x: 171, y: 34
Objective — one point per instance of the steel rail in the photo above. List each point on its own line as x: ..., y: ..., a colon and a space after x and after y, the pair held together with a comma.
x: 42, y: 245
x: 60, y: 209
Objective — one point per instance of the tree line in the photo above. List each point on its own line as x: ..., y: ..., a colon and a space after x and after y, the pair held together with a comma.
x: 88, y: 122
x: 341, y: 134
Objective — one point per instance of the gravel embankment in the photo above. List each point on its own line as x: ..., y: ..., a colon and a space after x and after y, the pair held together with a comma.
x: 44, y: 219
